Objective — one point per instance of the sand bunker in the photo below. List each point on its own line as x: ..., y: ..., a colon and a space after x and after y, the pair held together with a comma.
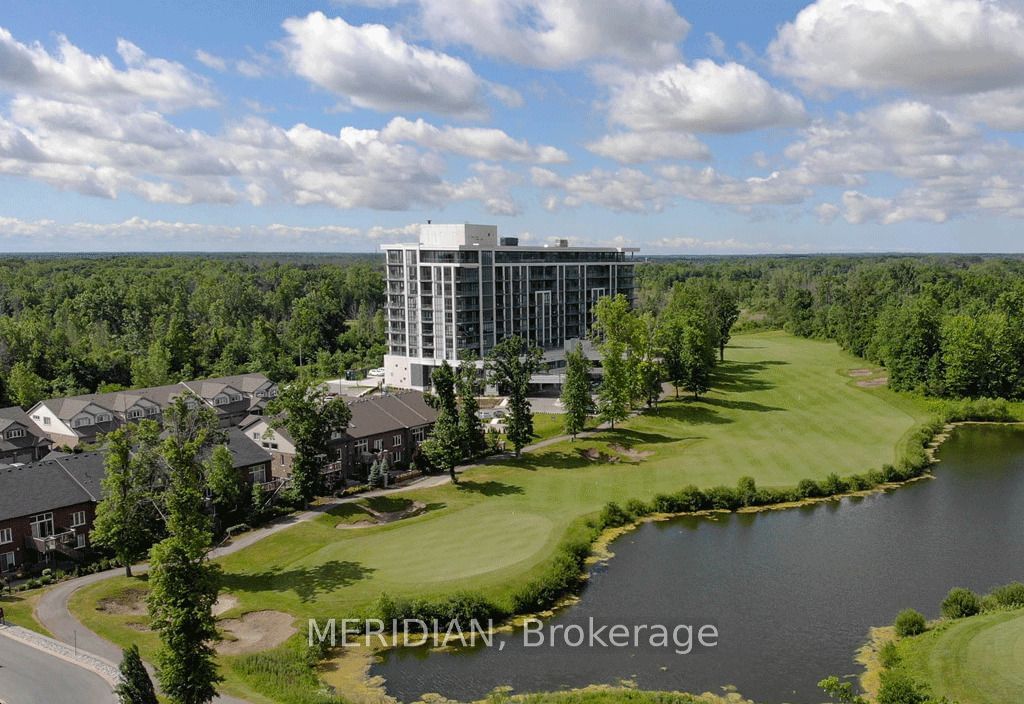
x: 380, y: 517
x: 225, y: 602
x: 860, y: 372
x: 255, y: 631
x: 872, y: 383
x: 130, y: 602
x: 630, y: 454
x: 595, y: 455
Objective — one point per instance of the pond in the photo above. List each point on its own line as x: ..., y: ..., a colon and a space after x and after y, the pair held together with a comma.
x: 792, y: 593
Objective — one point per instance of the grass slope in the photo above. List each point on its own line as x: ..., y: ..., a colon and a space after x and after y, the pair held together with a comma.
x: 977, y: 660
x: 783, y: 409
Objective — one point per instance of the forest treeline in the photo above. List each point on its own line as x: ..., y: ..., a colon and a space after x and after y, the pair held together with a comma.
x: 948, y: 325
x: 78, y: 325
x: 944, y: 325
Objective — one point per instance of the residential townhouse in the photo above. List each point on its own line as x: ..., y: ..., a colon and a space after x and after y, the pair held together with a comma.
x: 78, y: 420
x: 390, y: 426
x: 21, y: 441
x: 48, y: 507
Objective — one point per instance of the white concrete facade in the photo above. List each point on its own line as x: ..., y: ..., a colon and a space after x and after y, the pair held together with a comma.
x: 461, y: 289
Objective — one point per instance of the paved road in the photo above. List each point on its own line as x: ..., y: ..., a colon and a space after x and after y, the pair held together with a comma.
x: 30, y: 676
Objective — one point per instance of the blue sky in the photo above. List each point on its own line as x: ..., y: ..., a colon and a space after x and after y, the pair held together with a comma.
x: 700, y: 127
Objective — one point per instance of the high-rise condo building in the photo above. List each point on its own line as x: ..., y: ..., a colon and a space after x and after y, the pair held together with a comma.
x: 461, y: 289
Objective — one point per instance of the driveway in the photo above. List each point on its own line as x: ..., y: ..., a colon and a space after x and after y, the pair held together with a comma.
x: 31, y: 676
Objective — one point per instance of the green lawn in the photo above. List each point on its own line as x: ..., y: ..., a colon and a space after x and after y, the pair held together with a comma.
x: 782, y: 409
x: 977, y: 660
x: 19, y: 609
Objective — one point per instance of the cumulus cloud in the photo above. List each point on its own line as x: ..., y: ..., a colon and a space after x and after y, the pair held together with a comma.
x: 947, y: 168
x: 705, y: 97
x: 373, y: 67
x: 72, y: 74
x: 106, y: 154
x: 932, y: 46
x: 558, y: 33
x: 635, y: 147
x: 475, y: 142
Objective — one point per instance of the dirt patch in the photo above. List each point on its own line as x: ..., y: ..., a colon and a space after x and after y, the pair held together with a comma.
x: 860, y: 372
x: 224, y: 603
x: 595, y: 455
x: 139, y: 626
x: 130, y: 602
x: 380, y: 517
x: 630, y: 454
x: 873, y: 383
x: 255, y: 631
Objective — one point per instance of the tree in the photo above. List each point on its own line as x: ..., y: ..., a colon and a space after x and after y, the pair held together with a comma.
x: 510, y: 365
x: 24, y: 386
x: 576, y: 399
x: 183, y: 583
x: 966, y: 355
x: 226, y: 485
x: 154, y: 368
x: 444, y: 447
x: 135, y: 686
x: 724, y: 311
x: 302, y: 407
x: 842, y: 692
x: 696, y: 358
x: 471, y: 429
x: 125, y: 516
x: 613, y: 394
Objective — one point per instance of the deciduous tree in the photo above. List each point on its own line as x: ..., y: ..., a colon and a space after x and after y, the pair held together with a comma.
x: 509, y: 366
x: 576, y: 399
x: 126, y: 521
x: 302, y: 407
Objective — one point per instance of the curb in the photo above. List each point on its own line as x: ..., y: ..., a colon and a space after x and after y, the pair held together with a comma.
x: 87, y: 661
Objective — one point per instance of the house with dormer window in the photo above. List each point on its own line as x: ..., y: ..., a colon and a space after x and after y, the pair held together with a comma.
x: 21, y: 441
x: 78, y: 420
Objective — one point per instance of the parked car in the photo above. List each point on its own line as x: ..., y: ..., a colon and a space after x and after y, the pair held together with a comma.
x: 379, y: 371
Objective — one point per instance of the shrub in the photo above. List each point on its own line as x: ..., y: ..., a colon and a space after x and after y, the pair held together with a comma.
x: 808, y: 489
x: 723, y: 498
x: 898, y: 688
x: 889, y: 655
x: 833, y: 485
x: 746, y: 488
x: 637, y: 508
x: 1009, y: 596
x: 613, y: 516
x: 910, y: 623
x: 960, y: 603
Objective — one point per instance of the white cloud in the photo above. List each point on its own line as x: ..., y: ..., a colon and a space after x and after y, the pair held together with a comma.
x: 1000, y: 109
x: 211, y: 61
x: 707, y: 97
x: 107, y: 154
x: 826, y: 212
x: 373, y: 67
x: 476, y: 142
x: 633, y: 190
x: 635, y: 147
x: 933, y: 46
x: 559, y: 33
x: 731, y: 245
x: 72, y: 74
x: 138, y: 233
